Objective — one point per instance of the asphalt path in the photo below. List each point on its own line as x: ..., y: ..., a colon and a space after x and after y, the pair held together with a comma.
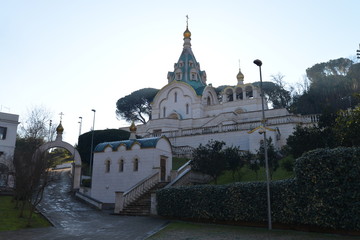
x: 73, y: 219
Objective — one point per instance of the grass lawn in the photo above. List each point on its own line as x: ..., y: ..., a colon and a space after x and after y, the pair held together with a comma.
x: 244, y: 175
x: 9, y: 219
x: 178, y: 162
x: 198, y: 231
x: 247, y: 175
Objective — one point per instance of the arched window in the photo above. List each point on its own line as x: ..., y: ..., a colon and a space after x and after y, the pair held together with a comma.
x: 175, y: 97
x: 136, y: 165
x: 164, y: 112
x: 187, y: 108
x: 249, y: 92
x: 107, y: 166
x: 239, y: 94
x: 178, y: 73
x: 121, y: 165
x: 193, y: 75
x: 208, y: 101
x: 229, y: 95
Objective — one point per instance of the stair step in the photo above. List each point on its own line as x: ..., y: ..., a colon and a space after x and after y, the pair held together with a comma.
x: 141, y: 206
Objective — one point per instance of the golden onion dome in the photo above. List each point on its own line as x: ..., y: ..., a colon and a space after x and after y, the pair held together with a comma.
x: 240, y: 76
x: 59, y: 129
x: 133, y: 127
x: 187, y: 33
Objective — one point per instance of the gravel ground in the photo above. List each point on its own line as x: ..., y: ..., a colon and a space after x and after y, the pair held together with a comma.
x: 198, y: 231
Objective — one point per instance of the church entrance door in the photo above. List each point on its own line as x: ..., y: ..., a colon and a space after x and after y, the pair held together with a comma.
x: 162, y: 169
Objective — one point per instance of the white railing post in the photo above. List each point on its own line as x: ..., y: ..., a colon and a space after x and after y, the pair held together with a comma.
x: 119, y: 202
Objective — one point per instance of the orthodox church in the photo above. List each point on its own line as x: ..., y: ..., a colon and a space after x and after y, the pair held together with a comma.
x: 189, y: 111
x: 186, y: 112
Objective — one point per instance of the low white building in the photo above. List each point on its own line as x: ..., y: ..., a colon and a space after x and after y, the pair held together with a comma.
x: 8, y: 129
x: 189, y: 111
x: 118, y: 166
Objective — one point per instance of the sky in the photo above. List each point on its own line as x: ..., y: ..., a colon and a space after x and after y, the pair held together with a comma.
x: 72, y: 56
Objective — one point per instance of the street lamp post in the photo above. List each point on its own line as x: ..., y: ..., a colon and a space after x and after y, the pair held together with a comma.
x: 258, y: 63
x: 50, y: 138
x: 80, y: 123
x: 92, y: 144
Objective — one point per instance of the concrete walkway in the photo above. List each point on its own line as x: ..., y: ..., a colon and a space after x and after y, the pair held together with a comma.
x: 75, y: 220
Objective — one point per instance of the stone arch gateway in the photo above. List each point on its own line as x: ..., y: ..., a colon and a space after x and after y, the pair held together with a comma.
x: 76, y: 166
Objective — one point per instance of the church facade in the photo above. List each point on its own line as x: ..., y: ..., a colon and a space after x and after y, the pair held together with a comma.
x: 119, y: 166
x: 189, y: 111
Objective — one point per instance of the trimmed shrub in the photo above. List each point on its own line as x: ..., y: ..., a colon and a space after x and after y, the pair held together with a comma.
x: 328, y: 182
x: 325, y: 193
x: 100, y: 136
x: 233, y: 202
x: 224, y: 202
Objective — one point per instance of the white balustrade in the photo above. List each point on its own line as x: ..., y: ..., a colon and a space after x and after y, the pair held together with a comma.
x: 243, y: 126
x: 124, y: 199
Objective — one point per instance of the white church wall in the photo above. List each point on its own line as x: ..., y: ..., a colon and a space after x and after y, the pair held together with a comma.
x: 166, y: 99
x: 240, y: 139
x: 105, y: 183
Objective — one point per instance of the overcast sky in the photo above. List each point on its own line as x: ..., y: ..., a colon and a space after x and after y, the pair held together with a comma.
x: 72, y: 56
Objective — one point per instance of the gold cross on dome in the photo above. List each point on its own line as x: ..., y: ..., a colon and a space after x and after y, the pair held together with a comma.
x: 61, y: 114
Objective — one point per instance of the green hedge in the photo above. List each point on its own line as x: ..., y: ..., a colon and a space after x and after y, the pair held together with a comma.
x: 324, y: 193
x: 329, y: 183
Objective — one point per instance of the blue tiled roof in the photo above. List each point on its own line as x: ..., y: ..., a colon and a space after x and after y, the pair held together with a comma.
x: 199, y: 91
x: 144, y: 143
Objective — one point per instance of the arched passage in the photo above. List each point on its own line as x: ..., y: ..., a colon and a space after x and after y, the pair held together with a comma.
x: 58, y: 143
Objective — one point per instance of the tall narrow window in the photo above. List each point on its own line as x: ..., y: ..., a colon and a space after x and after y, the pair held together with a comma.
x: 3, y: 131
x: 187, y: 108
x: 121, y: 165
x: 107, y: 166
x: 175, y: 97
x: 136, y: 165
x: 249, y: 92
x: 164, y: 112
x: 229, y: 95
x: 239, y: 94
x: 193, y: 76
x: 208, y: 101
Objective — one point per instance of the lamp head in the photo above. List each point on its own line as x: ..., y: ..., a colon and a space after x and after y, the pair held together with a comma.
x: 258, y: 62
x: 93, y: 110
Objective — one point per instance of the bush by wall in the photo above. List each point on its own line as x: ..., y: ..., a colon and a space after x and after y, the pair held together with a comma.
x: 324, y: 193
x: 100, y: 136
x: 328, y: 182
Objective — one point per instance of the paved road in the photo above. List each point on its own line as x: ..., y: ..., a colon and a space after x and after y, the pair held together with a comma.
x: 75, y: 220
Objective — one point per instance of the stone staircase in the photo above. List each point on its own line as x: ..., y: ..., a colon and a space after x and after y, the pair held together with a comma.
x: 141, y: 206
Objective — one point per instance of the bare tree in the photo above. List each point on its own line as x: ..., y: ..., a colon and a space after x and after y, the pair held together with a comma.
x: 41, y: 176
x: 38, y: 124
x: 32, y: 174
x: 302, y: 87
x: 279, y: 79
